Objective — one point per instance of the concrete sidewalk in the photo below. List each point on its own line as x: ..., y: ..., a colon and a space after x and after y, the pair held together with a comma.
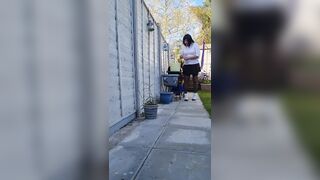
x: 176, y: 145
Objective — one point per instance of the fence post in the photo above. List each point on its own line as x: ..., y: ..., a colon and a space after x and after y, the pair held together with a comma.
x: 159, y: 48
x: 142, y: 49
x: 149, y: 62
x: 154, y: 64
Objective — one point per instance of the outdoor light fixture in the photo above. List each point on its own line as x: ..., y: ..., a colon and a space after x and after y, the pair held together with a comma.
x: 150, y: 25
x: 165, y: 47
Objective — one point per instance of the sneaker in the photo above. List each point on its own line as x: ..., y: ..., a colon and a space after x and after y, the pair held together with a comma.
x: 194, y: 97
x: 186, y: 97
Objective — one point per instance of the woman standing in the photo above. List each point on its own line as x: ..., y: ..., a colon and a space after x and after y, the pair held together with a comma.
x: 190, y: 53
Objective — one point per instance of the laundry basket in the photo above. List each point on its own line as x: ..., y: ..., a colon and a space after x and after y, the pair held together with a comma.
x: 170, y: 80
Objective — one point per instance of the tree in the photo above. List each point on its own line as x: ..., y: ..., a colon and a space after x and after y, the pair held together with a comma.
x: 174, y: 17
x: 203, y: 13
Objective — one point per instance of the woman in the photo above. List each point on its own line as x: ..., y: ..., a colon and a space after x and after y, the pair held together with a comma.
x: 190, y: 53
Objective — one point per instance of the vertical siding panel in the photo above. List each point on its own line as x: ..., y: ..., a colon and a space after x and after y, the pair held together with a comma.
x: 152, y: 63
x: 126, y: 57
x: 156, y: 67
x: 140, y: 50
x: 121, y: 59
x: 113, y: 84
x: 145, y: 54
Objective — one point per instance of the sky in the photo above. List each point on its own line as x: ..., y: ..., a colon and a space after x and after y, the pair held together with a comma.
x: 197, y: 2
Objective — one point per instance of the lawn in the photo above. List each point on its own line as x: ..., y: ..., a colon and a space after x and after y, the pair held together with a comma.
x: 206, y: 100
x: 304, y: 110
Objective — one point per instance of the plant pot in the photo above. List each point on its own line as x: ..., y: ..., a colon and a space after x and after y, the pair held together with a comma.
x: 166, y: 97
x: 206, y: 87
x: 150, y: 111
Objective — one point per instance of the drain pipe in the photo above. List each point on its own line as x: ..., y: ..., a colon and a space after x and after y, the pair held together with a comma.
x: 135, y: 54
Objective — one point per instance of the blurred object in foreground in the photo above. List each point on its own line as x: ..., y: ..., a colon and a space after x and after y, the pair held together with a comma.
x: 266, y: 83
x: 266, y: 47
x: 254, y: 139
x: 303, y: 109
x: 53, y: 77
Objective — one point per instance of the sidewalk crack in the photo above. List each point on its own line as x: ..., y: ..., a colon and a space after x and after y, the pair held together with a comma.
x: 153, y: 145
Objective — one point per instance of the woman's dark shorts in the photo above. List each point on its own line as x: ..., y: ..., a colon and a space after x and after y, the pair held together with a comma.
x: 193, y: 69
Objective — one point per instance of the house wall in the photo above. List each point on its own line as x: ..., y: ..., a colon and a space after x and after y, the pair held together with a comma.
x: 135, y: 60
x: 68, y: 72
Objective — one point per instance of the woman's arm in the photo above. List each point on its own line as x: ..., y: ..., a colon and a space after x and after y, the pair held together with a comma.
x: 196, y: 55
x: 191, y: 57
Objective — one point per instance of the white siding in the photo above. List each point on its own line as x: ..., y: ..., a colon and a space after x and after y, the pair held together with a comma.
x: 140, y: 50
x: 113, y: 84
x: 157, y: 63
x: 121, y: 39
x: 126, y: 57
x: 146, y: 82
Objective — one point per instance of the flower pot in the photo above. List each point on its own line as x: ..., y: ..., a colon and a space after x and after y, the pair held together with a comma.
x: 166, y: 97
x: 206, y: 87
x: 150, y: 111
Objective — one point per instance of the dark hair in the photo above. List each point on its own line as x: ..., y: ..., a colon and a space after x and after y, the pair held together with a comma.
x: 188, y: 38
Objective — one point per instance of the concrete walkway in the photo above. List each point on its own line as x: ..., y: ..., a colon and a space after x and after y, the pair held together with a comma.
x: 176, y: 145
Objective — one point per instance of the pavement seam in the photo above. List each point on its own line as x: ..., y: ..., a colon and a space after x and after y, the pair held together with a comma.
x: 153, y: 145
x: 181, y: 151
x: 168, y: 149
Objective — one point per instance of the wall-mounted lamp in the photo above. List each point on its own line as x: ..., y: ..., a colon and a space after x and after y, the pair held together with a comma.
x: 150, y: 25
x: 165, y: 47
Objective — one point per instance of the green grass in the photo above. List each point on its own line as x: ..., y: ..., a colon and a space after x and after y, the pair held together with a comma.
x: 206, y: 100
x: 304, y: 110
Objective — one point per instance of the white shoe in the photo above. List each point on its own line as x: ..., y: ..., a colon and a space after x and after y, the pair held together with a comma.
x: 186, y: 97
x: 194, y: 97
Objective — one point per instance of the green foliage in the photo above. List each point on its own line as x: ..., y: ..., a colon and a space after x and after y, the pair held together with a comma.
x: 203, y: 14
x: 149, y: 99
x: 206, y: 100
x: 173, y: 17
x: 206, y: 81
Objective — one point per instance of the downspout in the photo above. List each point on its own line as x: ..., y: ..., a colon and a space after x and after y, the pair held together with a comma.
x: 136, y: 62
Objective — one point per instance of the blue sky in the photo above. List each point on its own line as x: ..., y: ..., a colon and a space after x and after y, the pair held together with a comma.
x: 197, y: 2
